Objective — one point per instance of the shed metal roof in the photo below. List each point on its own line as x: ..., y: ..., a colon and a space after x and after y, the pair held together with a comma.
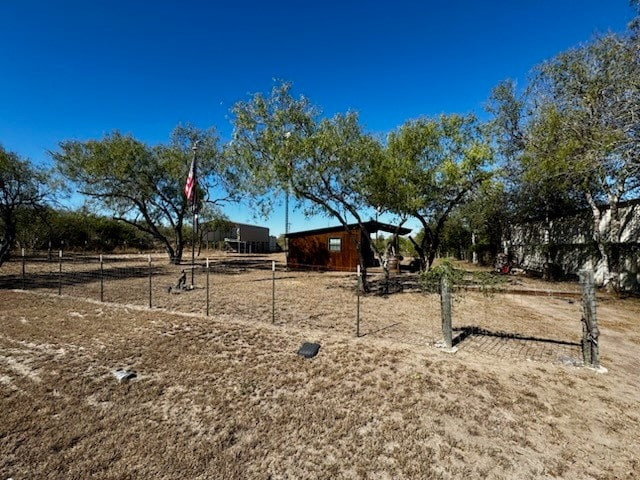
x: 371, y: 226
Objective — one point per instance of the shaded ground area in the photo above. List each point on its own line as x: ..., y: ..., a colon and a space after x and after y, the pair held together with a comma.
x: 507, y: 346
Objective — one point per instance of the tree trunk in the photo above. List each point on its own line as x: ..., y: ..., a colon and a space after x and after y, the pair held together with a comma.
x: 432, y: 247
x: 9, y: 237
x: 614, y: 242
x: 5, y: 248
x: 599, y: 241
x: 474, y: 254
x: 175, y: 254
x: 420, y: 251
x: 363, y: 267
x: 432, y: 255
x: 608, y: 244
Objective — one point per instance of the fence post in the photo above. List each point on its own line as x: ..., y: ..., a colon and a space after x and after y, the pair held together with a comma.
x: 60, y: 273
x: 590, y: 331
x: 445, y: 311
x: 208, y: 270
x: 359, y: 279
x: 149, y: 259
x: 101, y: 279
x: 23, y: 268
x: 273, y: 291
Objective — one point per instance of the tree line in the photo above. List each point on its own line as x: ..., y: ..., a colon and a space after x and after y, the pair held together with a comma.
x: 566, y: 141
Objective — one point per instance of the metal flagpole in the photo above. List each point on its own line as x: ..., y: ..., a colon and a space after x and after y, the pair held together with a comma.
x: 194, y: 207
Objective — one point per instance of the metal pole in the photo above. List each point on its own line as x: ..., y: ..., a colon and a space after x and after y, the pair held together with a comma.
x: 287, y: 135
x: 273, y: 291
x: 60, y: 273
x: 195, y: 213
x: 359, y: 275
x: 286, y: 216
x: 193, y: 246
x: 149, y: 259
x: 101, y: 279
x: 208, y: 269
x: 23, y: 269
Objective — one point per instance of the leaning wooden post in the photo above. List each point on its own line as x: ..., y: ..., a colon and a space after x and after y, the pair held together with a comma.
x: 149, y: 260
x: 590, y: 331
x: 445, y: 311
x: 359, y: 278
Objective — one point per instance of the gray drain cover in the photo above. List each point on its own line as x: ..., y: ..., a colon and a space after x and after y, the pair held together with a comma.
x: 309, y: 350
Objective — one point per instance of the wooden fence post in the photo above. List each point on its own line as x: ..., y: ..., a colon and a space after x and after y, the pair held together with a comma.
x: 590, y: 331
x: 445, y: 311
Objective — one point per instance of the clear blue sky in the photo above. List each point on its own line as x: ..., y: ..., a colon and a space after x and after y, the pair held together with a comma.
x: 81, y: 69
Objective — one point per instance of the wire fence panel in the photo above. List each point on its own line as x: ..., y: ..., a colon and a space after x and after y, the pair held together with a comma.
x: 541, y: 321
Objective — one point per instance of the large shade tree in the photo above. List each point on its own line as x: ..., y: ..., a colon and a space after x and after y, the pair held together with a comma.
x: 580, y: 137
x: 143, y: 185
x: 536, y: 182
x: 281, y: 145
x: 430, y: 168
x: 23, y: 187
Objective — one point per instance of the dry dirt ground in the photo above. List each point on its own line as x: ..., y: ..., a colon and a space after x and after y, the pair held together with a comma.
x: 225, y: 396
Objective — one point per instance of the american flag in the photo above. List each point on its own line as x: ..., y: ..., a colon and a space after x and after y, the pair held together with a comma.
x: 189, y: 188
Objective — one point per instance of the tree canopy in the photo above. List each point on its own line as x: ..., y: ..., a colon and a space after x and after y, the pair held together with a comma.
x: 431, y: 166
x: 143, y: 185
x: 572, y: 138
x: 22, y: 186
x: 282, y: 146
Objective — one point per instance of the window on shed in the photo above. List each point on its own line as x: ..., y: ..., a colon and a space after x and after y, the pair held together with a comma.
x: 335, y: 244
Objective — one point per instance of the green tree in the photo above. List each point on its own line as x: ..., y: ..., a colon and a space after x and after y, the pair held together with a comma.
x: 486, y: 216
x: 532, y: 167
x: 585, y: 129
x: 270, y: 133
x: 143, y: 185
x: 536, y: 184
x: 431, y: 166
x: 281, y: 145
x: 22, y: 187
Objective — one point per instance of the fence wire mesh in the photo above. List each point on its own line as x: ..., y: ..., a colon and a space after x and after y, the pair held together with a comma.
x: 539, y: 322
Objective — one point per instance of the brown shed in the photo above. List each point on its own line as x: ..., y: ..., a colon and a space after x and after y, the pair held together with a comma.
x: 334, y: 248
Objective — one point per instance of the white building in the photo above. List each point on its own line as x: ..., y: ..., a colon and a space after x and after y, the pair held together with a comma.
x: 242, y: 238
x: 565, y: 245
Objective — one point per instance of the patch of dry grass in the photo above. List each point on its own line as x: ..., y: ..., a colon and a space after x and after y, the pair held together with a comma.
x: 227, y: 397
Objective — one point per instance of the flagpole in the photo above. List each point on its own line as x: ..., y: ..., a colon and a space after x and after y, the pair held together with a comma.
x: 194, y: 208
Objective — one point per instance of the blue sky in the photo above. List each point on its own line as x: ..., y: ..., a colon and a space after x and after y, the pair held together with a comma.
x: 81, y: 69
